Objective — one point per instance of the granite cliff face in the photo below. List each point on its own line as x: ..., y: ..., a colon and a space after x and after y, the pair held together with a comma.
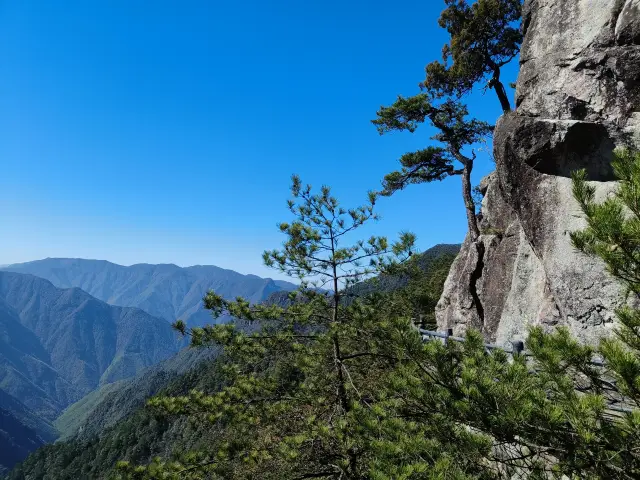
x: 577, y: 98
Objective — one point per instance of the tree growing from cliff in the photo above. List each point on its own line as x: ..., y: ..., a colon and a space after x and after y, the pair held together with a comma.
x: 484, y: 37
x: 434, y: 163
x: 613, y: 234
x: 300, y: 379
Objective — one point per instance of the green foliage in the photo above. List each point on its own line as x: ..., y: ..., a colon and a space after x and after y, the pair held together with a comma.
x: 455, y: 411
x: 393, y: 406
x: 613, y: 234
x: 484, y: 36
x: 613, y: 231
x: 298, y: 386
x: 434, y: 163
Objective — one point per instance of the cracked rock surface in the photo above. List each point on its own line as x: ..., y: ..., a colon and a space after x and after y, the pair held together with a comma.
x: 577, y: 98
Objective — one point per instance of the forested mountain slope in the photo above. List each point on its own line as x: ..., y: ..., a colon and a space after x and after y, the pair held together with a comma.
x: 25, y: 368
x: 44, y: 429
x: 138, y: 436
x: 110, y: 403
x: 60, y: 344
x: 21, y: 431
x: 16, y: 440
x: 424, y: 262
x: 165, y: 291
x: 431, y: 265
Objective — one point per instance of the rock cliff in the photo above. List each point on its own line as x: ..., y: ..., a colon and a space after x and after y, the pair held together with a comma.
x: 577, y: 98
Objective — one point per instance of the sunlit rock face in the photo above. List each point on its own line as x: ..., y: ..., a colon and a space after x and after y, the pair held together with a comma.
x: 577, y: 98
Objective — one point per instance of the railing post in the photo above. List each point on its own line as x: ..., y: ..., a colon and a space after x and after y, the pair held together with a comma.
x: 447, y: 335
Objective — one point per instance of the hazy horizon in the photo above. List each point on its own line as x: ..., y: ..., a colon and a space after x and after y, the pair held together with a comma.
x: 268, y: 272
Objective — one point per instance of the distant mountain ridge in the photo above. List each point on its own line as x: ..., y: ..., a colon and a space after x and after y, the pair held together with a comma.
x: 166, y: 290
x: 57, y: 345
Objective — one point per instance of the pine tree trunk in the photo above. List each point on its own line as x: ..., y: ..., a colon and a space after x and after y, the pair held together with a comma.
x: 469, y: 204
x: 501, y: 92
x: 342, y: 390
x: 343, y: 396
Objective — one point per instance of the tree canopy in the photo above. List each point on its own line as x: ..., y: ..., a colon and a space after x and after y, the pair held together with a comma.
x: 434, y: 163
x: 484, y: 37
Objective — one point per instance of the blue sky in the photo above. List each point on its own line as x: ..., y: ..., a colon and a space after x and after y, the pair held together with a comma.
x: 166, y: 132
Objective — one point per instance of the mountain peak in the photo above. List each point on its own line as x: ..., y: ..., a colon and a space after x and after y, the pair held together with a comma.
x: 164, y: 290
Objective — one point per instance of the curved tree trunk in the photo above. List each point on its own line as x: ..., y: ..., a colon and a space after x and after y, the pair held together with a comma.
x: 474, y: 234
x: 469, y: 204
x: 501, y: 92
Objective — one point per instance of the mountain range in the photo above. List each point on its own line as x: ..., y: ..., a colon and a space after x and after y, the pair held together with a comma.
x: 166, y: 291
x: 73, y: 329
x: 112, y: 423
x: 57, y: 345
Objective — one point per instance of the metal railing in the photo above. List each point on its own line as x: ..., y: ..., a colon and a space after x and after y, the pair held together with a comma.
x: 517, y: 348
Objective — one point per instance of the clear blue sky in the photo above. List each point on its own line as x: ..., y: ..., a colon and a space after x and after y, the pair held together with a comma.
x: 166, y: 131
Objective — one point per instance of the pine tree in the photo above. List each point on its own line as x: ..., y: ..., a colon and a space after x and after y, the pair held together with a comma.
x: 434, y: 163
x: 300, y: 380
x: 484, y: 38
x: 613, y: 234
x: 456, y: 410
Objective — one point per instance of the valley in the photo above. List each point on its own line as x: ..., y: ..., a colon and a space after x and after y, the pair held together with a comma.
x: 60, y: 344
